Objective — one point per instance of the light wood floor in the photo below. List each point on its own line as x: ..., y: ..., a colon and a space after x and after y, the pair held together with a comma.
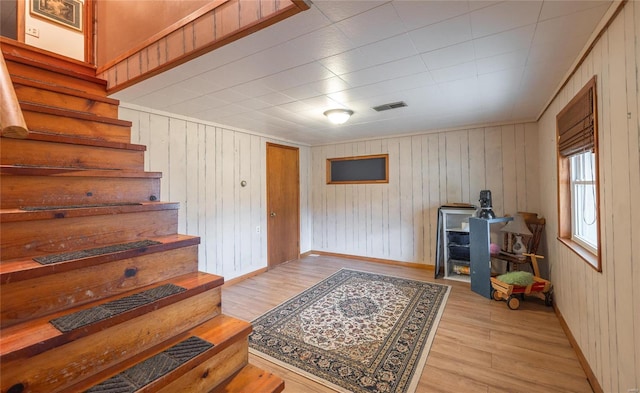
x: 480, y: 345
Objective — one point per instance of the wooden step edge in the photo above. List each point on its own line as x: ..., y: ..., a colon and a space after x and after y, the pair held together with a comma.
x: 21, y: 269
x: 23, y: 170
x: 19, y: 215
x: 251, y: 379
x: 77, y: 140
x: 55, y: 111
x: 222, y: 331
x: 49, y: 61
x: 20, y: 80
x: 27, y: 339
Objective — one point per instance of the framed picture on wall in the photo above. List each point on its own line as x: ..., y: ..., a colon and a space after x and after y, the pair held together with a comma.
x: 65, y: 12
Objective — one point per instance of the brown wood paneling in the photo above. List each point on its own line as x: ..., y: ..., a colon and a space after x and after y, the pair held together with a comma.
x: 217, y: 30
x: 175, y: 44
x: 249, y: 12
x: 227, y: 19
x: 203, y: 30
x: 136, y: 22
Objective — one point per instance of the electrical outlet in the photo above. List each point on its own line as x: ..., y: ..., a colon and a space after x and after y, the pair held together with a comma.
x: 258, y: 229
x: 32, y: 31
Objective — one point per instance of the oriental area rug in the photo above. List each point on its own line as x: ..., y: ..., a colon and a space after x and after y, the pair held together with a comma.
x: 354, y: 331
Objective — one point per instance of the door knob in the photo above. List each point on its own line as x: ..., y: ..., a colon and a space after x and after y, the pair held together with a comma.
x: 273, y: 214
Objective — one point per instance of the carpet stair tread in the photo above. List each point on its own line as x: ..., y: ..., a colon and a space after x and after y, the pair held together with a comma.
x: 88, y: 228
x: 21, y: 269
x: 70, y: 211
x: 251, y: 379
x: 222, y: 331
x: 30, y: 338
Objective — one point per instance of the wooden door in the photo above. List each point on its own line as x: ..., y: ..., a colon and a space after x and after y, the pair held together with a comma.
x: 283, y: 204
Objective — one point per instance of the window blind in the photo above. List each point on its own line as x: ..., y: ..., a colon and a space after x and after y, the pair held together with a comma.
x: 577, y: 121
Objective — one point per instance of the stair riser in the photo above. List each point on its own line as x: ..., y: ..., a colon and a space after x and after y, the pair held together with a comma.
x: 58, y: 292
x: 63, y: 366
x: 61, y: 100
x: 55, y: 124
x: 42, y: 75
x: 210, y: 373
x: 63, y: 155
x: 30, y: 191
x: 31, y: 238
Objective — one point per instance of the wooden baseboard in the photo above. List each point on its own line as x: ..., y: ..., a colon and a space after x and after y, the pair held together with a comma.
x: 591, y: 377
x: 245, y: 276
x: 369, y: 259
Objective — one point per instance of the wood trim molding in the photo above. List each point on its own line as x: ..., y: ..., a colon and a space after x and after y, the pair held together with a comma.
x: 369, y: 259
x: 591, y: 377
x: 244, y: 277
x: 89, y: 38
x: 20, y: 16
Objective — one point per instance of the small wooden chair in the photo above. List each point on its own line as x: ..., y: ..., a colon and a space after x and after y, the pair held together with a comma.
x: 536, y: 226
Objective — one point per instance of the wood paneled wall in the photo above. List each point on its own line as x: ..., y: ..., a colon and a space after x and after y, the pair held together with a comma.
x: 602, y: 310
x: 212, y: 26
x: 203, y: 165
x: 398, y: 220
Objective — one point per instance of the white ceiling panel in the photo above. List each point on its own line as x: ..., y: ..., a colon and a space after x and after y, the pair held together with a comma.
x: 450, y: 56
x: 442, y: 34
x: 504, y: 16
x: 455, y: 63
x: 373, y: 25
x: 416, y: 14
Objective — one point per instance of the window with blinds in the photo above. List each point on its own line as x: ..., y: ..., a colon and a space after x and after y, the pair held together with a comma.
x: 578, y: 213
x: 576, y: 123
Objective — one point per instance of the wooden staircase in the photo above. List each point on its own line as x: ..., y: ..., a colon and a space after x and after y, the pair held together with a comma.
x: 75, y: 196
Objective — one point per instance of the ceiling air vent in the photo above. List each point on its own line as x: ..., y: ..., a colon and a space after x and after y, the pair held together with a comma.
x: 392, y: 105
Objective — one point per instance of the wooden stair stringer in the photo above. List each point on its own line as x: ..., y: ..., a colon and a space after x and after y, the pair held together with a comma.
x: 90, y: 203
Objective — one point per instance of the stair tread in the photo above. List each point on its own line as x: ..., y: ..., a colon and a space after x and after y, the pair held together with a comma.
x: 49, y: 61
x: 22, y: 170
x: 27, y: 339
x: 221, y: 331
x: 26, y: 268
x: 58, y: 212
x: 251, y: 379
x: 52, y: 110
x: 62, y: 89
x: 77, y: 140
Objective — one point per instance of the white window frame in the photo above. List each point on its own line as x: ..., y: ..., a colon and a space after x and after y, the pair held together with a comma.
x: 578, y: 167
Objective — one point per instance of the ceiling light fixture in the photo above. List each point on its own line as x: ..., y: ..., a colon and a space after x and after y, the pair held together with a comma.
x: 338, y: 116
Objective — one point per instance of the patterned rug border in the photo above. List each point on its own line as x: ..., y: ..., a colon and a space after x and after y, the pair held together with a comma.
x: 424, y: 354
